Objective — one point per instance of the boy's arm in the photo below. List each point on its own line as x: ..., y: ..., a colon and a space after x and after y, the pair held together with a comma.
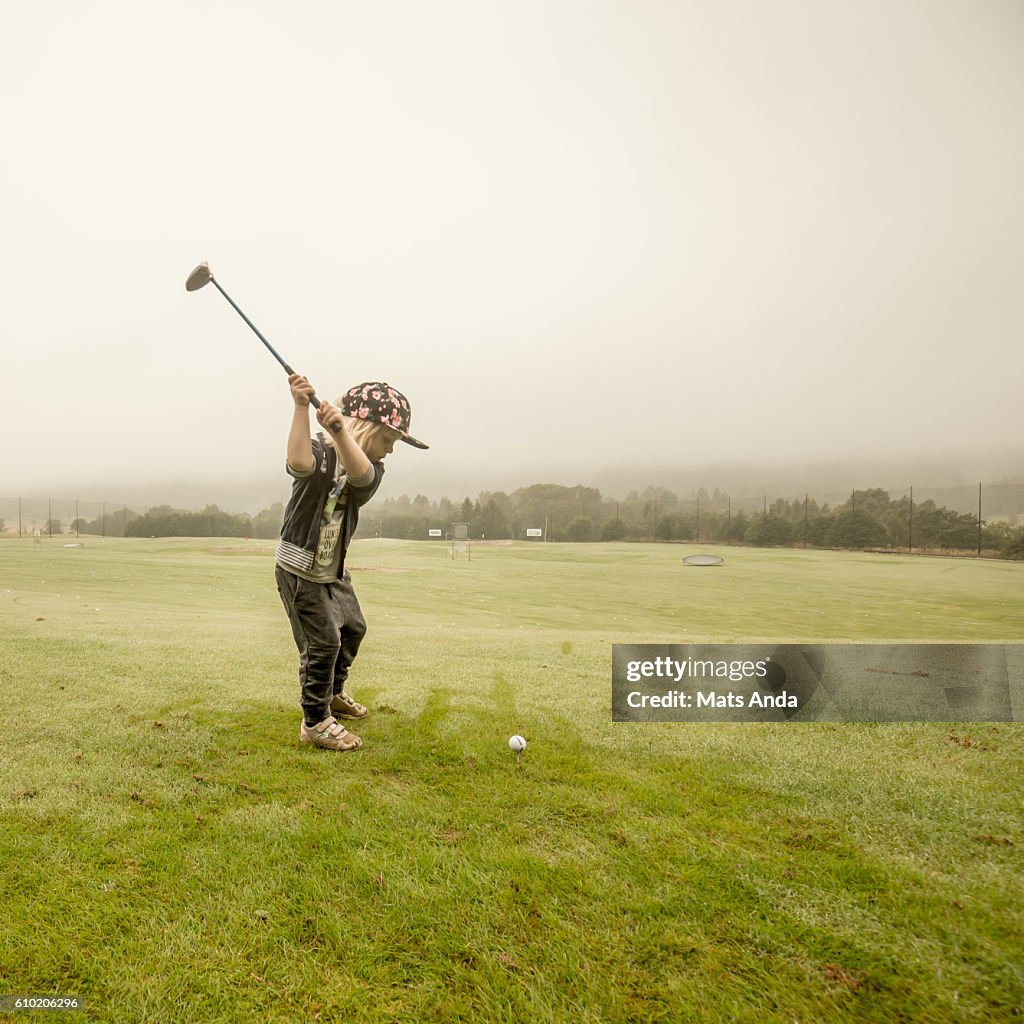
x: 300, y: 446
x: 353, y: 458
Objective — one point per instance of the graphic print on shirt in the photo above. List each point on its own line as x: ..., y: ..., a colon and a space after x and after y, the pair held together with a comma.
x: 330, y: 525
x: 328, y: 540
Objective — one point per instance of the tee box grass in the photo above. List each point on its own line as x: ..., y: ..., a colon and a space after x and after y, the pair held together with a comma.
x: 171, y: 852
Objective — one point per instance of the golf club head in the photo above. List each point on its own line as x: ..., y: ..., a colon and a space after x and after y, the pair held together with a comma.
x: 202, y: 275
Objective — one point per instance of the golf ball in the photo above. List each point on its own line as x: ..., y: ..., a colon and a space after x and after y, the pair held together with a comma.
x: 516, y: 743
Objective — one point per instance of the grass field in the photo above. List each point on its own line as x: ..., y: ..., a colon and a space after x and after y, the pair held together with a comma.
x: 171, y: 853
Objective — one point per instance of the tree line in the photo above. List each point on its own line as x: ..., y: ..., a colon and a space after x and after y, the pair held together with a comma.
x: 165, y: 521
x: 867, y: 519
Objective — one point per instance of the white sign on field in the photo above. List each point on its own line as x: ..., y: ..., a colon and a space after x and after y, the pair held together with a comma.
x: 534, y: 533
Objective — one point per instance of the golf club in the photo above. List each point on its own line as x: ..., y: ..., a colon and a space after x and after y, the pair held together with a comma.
x: 203, y: 275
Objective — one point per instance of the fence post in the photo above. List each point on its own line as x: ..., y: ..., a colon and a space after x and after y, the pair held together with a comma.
x: 979, y: 520
x: 910, y: 530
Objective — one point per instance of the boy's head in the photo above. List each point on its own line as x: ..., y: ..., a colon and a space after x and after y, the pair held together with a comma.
x: 378, y: 402
x: 376, y: 439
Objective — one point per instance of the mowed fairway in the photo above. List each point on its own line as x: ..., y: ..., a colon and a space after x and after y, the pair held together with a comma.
x: 171, y: 853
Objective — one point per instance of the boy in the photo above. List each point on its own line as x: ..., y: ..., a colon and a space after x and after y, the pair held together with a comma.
x: 333, y: 477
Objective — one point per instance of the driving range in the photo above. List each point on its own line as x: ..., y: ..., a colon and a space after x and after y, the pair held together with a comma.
x: 171, y: 852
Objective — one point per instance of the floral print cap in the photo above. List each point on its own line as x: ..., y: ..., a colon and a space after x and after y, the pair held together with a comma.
x: 380, y: 402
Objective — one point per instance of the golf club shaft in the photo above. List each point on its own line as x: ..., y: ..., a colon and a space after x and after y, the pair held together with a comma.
x: 273, y: 351
x: 313, y: 400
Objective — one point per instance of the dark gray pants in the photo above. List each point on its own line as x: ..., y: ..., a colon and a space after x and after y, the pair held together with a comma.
x: 328, y: 627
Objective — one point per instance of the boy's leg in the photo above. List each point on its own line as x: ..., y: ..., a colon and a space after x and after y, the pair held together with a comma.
x: 351, y: 635
x: 316, y: 623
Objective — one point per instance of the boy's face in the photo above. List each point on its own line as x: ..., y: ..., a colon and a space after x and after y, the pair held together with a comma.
x: 382, y: 443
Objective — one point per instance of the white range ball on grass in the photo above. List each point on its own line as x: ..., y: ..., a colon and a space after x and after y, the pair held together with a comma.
x: 517, y: 744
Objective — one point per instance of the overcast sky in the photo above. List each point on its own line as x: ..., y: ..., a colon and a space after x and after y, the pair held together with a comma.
x: 576, y: 233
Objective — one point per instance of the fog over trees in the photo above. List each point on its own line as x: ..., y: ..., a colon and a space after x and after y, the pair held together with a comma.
x: 869, y: 518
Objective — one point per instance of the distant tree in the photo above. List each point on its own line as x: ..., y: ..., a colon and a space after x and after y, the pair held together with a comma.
x: 503, y: 505
x: 3, y: 526
x: 466, y: 511
x: 493, y: 522
x: 686, y: 526
x: 53, y: 526
x: 215, y: 522
x: 874, y: 501
x: 959, y: 532
x: 896, y: 519
x: 79, y: 526
x: 410, y: 527
x: 664, y: 497
x: 401, y: 504
x: 997, y: 536
x: 782, y: 509
x: 163, y: 521
x: 556, y: 504
x: 736, y: 528
x: 770, y: 532
x: 712, y: 525
x: 266, y: 523
x: 613, y: 529
x: 819, y: 531
x: 581, y: 528
x: 936, y: 527
x: 927, y: 523
x: 857, y: 529
x: 680, y: 526
x: 1015, y: 549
